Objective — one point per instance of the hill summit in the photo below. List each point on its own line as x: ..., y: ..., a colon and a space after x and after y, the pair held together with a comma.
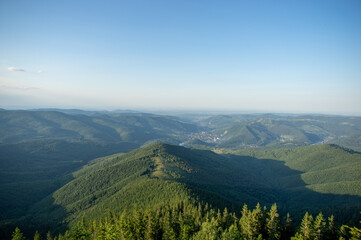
x: 161, y: 174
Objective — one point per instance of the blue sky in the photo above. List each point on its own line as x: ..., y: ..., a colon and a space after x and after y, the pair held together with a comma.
x: 261, y: 56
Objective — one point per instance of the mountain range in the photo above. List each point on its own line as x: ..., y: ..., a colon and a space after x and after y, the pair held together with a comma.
x: 57, y: 167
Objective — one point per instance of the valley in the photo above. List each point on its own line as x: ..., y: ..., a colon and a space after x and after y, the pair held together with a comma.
x: 57, y: 167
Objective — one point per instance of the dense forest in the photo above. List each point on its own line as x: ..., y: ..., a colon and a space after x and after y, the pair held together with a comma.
x: 79, y: 174
x: 184, y: 220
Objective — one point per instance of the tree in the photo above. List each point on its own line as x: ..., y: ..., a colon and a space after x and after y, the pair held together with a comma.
x: 18, y: 235
x: 209, y: 231
x: 48, y: 236
x: 353, y: 232
x: 288, y: 229
x: 258, y: 220
x: 306, y: 229
x: 168, y: 231
x: 331, y: 231
x: 36, y: 236
x: 319, y: 227
x: 231, y: 234
x: 273, y: 224
x: 245, y: 223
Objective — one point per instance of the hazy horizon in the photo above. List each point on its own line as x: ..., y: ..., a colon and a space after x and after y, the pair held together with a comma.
x: 180, y: 111
x: 239, y: 56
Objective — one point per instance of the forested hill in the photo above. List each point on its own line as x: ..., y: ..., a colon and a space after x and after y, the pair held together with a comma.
x: 39, y: 150
x: 162, y: 173
x: 56, y: 166
x: 279, y: 131
x: 17, y: 126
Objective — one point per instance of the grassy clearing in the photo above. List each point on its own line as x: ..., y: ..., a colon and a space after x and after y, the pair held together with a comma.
x: 159, y: 166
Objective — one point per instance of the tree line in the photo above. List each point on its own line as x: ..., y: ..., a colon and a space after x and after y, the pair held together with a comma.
x: 184, y: 220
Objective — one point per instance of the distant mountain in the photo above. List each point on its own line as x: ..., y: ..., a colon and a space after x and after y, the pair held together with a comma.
x: 87, y: 112
x: 162, y: 173
x: 20, y: 126
x: 48, y: 176
x: 275, y: 131
x: 40, y: 149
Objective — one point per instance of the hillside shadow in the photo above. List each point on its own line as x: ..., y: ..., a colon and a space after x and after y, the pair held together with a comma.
x: 228, y: 178
x: 285, y: 186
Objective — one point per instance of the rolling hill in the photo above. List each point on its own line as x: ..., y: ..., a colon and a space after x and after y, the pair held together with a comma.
x: 20, y: 126
x: 40, y: 149
x: 279, y: 131
x: 161, y: 173
x: 53, y: 169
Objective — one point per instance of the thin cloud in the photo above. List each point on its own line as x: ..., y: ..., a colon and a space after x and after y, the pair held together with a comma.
x: 14, y: 69
x: 18, y: 88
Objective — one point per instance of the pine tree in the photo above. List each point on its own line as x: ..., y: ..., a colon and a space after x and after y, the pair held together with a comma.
x: 37, y: 235
x: 18, y: 235
x: 48, y: 236
x: 288, y: 229
x: 331, y: 231
x: 209, y: 231
x: 150, y: 223
x: 273, y: 224
x: 231, y: 234
x: 319, y: 227
x: 258, y: 220
x: 138, y: 225
x: 245, y: 223
x: 306, y: 229
x: 168, y: 231
x: 226, y: 219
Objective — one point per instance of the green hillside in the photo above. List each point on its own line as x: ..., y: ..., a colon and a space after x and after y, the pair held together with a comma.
x: 160, y: 174
x: 151, y: 175
x: 29, y: 125
x: 40, y: 149
x: 53, y: 169
x: 280, y: 131
x: 31, y: 170
x: 323, y: 168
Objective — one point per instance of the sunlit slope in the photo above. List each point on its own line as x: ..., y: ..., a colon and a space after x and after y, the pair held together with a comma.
x: 276, y: 131
x: 322, y: 168
x: 308, y: 178
x: 149, y: 176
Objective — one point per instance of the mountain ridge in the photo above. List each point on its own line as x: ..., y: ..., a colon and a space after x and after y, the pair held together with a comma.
x: 163, y: 173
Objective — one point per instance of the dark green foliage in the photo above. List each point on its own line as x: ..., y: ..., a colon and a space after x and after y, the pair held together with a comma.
x: 273, y: 224
x: 161, y: 173
x: 48, y: 180
x: 185, y: 220
x: 37, y: 236
x: 324, y: 168
x: 18, y: 235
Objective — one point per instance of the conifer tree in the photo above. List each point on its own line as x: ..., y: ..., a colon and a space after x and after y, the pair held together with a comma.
x: 168, y: 231
x: 306, y: 229
x: 331, y: 231
x: 48, y: 236
x: 150, y: 223
x: 273, y: 224
x: 17, y: 234
x: 209, y: 231
x: 231, y: 234
x: 37, y: 235
x: 226, y: 219
x: 319, y: 227
x: 288, y: 229
x: 257, y: 221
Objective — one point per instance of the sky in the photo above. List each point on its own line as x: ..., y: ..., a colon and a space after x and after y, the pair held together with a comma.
x: 257, y: 55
